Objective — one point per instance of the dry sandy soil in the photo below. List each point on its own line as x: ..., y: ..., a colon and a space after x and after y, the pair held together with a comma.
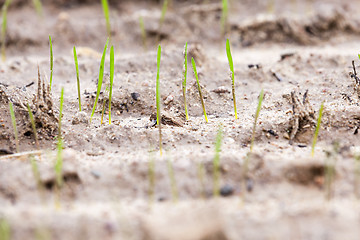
x: 299, y: 52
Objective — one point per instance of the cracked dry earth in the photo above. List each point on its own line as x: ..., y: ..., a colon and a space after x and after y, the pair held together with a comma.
x: 300, y: 53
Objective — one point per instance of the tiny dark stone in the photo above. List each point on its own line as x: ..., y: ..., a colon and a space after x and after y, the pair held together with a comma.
x: 226, y: 190
x: 272, y: 132
x: 135, y: 96
x: 302, y: 146
x: 5, y: 152
x: 356, y: 130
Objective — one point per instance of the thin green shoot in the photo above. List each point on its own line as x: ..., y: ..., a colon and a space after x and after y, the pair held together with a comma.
x: 201, y: 177
x: 51, y: 61
x: 5, y: 232
x: 231, y: 65
x: 36, y: 172
x: 13, y: 120
x: 59, y: 157
x: 158, y: 98
x: 199, y: 88
x: 143, y: 32
x: 330, y: 161
x: 357, y: 176
x: 317, y: 129
x: 224, y: 16
x: 271, y: 6
x: 174, y: 190
x: 111, y: 79
x: 162, y: 18
x: 4, y: 29
x: 258, y: 109
x: 100, y: 80
x: 216, y: 162
x: 33, y: 126
x: 151, y: 175
x: 77, y: 77
x: 38, y: 7
x: 105, y: 6
x: 184, y: 80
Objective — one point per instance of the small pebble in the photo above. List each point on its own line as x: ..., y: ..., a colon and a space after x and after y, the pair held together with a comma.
x: 226, y: 190
x: 135, y: 96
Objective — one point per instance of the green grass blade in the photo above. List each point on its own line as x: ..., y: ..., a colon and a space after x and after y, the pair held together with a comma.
x: 151, y: 175
x: 38, y: 7
x: 174, y: 190
x: 13, y: 120
x: 51, y: 61
x: 143, y: 32
x: 77, y: 76
x: 231, y: 65
x: 199, y: 88
x: 5, y: 232
x: 59, y: 158
x: 158, y: 98
x: 100, y: 80
x: 33, y: 126
x: 105, y: 6
x: 163, y: 13
x: 36, y: 172
x: 4, y: 29
x: 261, y: 97
x: 317, y: 129
x: 216, y: 162
x: 224, y: 16
x: 184, y: 80
x: 111, y: 79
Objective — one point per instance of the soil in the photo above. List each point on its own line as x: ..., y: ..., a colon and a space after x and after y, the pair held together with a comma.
x: 116, y: 183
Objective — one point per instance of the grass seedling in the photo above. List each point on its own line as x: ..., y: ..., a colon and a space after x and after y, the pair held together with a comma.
x: 162, y: 18
x: 51, y: 62
x: 224, y: 16
x: 330, y: 161
x: 4, y: 28
x: 201, y: 177
x: 158, y: 98
x: 59, y: 157
x: 184, y: 81
x: 33, y: 126
x: 13, y: 120
x: 174, y: 190
x: 317, y: 129
x: 143, y: 32
x: 38, y: 7
x: 231, y: 65
x: 258, y: 109
x: 111, y: 79
x: 77, y: 77
x: 357, y: 176
x: 105, y: 6
x: 199, y: 88
x: 216, y: 162
x: 151, y: 174
x: 100, y: 80
x: 5, y: 232
x: 36, y: 172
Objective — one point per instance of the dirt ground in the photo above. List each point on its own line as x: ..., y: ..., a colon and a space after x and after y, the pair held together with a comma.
x: 299, y: 52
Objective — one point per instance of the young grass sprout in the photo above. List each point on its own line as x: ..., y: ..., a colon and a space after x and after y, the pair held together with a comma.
x: 111, y: 79
x: 199, y: 88
x: 59, y: 158
x: 13, y: 120
x: 143, y: 32
x: 184, y: 81
x: 77, y: 77
x: 38, y: 7
x: 261, y: 97
x: 162, y: 18
x: 151, y: 174
x: 3, y: 29
x: 224, y: 16
x: 317, y: 129
x: 216, y: 162
x: 158, y: 98
x: 51, y: 61
x: 231, y: 65
x: 100, y: 80
x: 105, y: 6
x: 5, y: 232
x: 174, y: 190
